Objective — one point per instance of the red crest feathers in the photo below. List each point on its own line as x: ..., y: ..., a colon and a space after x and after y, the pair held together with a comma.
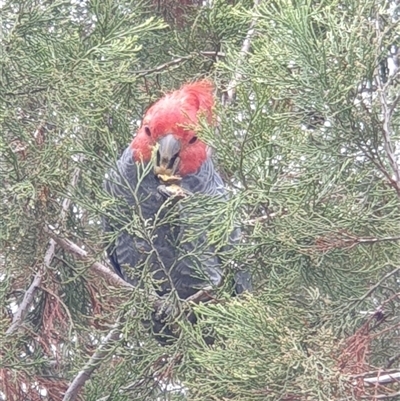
x: 177, y: 113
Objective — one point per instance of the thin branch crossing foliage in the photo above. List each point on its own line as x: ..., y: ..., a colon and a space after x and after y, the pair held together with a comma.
x: 304, y: 135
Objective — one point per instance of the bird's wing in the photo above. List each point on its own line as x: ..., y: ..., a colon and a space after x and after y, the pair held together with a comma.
x: 205, y: 181
x: 208, y: 182
x: 134, y: 192
x: 199, y: 265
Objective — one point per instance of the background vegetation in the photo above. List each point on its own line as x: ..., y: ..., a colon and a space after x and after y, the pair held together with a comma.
x: 307, y: 142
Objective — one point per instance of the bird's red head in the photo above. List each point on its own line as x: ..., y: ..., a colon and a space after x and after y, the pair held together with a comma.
x: 171, y: 122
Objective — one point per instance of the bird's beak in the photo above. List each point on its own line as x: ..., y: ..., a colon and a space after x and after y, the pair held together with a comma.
x: 167, y: 161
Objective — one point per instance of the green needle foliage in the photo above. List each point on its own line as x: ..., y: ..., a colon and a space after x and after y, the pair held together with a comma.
x: 307, y: 146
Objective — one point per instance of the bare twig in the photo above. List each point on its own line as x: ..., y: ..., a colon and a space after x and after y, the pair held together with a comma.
x: 162, y: 67
x: 392, y: 360
x: 177, y: 61
x: 231, y: 89
x: 110, y: 276
x: 373, y: 288
x: 48, y: 257
x: 260, y: 219
x: 201, y: 296
x: 380, y: 377
x: 387, y: 113
x: 28, y: 92
x: 383, y: 379
x: 374, y: 373
x: 25, y: 304
x: 374, y: 240
x: 213, y: 54
x: 101, y: 353
x: 381, y: 396
x: 80, y: 254
x: 346, y: 240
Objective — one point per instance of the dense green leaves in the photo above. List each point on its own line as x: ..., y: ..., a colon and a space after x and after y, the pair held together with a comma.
x: 307, y: 149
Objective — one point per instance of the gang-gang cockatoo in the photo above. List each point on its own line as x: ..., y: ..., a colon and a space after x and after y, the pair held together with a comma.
x: 165, y: 161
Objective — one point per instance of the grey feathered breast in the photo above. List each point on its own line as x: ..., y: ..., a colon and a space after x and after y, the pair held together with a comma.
x: 171, y: 261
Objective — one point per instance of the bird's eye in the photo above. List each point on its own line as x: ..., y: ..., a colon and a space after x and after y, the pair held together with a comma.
x: 147, y: 130
x: 193, y: 140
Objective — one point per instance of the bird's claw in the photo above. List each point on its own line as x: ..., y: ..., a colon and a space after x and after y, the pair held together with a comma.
x: 169, y: 179
x: 173, y: 191
x: 162, y: 309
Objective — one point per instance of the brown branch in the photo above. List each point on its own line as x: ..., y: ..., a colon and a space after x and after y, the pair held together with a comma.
x: 48, y: 257
x: 392, y: 360
x: 383, y: 379
x: 387, y: 113
x: 80, y: 254
x: 231, y: 89
x: 213, y: 54
x: 381, y: 396
x: 107, y: 274
x: 376, y: 240
x: 201, y: 296
x: 103, y: 271
x: 346, y: 240
x: 373, y: 288
x: 25, y: 304
x: 102, y: 351
x: 260, y: 219
x: 379, y: 378
x: 373, y: 373
x: 174, y: 62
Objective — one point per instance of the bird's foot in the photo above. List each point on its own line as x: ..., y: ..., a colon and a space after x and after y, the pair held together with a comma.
x: 162, y: 309
x: 173, y: 191
x: 169, y: 179
x: 165, y: 326
x: 203, y: 295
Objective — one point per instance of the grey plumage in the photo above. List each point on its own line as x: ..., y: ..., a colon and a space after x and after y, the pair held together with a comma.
x: 164, y: 248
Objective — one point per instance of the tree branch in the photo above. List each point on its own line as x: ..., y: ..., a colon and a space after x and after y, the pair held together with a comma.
x: 102, y: 351
x: 381, y: 396
x: 387, y: 113
x: 374, y: 287
x: 383, y: 379
x: 143, y: 73
x: 28, y: 92
x: 213, y: 53
x: 260, y: 219
x: 392, y: 360
x: 176, y: 61
x: 203, y: 295
x: 231, y: 89
x: 48, y: 257
x: 374, y: 373
x: 376, y: 240
x: 25, y: 304
x: 107, y: 274
x: 80, y: 254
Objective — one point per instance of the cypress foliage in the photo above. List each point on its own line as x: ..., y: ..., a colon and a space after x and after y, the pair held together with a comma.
x: 306, y: 139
